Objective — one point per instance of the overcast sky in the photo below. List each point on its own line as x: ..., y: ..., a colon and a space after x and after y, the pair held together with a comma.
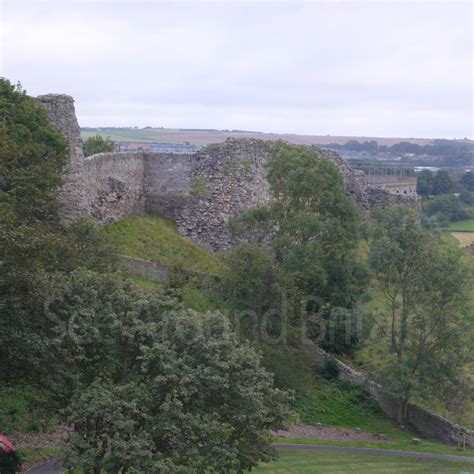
x: 401, y: 69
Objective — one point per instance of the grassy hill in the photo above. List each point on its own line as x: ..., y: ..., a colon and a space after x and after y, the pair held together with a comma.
x: 157, y: 239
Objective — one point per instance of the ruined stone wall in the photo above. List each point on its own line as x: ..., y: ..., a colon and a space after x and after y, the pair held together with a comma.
x: 429, y: 424
x: 62, y: 115
x: 379, y: 198
x: 226, y: 180
x: 167, y: 181
x: 200, y: 191
x: 115, y: 185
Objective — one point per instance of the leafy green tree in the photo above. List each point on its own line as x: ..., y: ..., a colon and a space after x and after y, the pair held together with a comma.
x: 313, y: 230
x: 254, y: 288
x: 442, y: 183
x: 189, y: 396
x: 98, y: 144
x: 425, y: 284
x: 446, y: 209
x: 467, y: 180
x: 34, y: 244
x: 32, y: 155
x: 424, y: 183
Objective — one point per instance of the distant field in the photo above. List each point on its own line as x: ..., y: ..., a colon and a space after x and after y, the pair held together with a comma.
x: 462, y: 232
x: 204, y: 137
x: 462, y: 226
x: 464, y: 238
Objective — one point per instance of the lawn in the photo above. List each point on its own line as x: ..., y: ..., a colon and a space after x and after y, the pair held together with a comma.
x: 156, y: 239
x: 294, y: 461
x: 462, y: 226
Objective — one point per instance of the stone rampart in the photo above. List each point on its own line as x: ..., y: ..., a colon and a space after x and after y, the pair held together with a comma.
x: 115, y: 185
x: 200, y: 191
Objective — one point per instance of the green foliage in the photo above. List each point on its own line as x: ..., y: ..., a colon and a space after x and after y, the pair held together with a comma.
x: 442, y: 183
x: 467, y: 180
x: 200, y: 187
x: 32, y: 154
x: 330, y: 402
x: 446, y: 209
x: 330, y: 369
x: 33, y: 243
x: 426, y: 285
x: 254, y: 288
x: 314, y: 230
x: 159, y: 387
x: 448, y: 152
x: 97, y: 144
x: 156, y: 239
x: 24, y: 408
x: 424, y: 183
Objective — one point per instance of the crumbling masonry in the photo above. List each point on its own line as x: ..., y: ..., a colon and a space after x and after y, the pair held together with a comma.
x: 200, y: 191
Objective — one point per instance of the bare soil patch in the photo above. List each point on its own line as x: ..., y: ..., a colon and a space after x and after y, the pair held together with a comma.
x: 465, y: 238
x: 328, y: 433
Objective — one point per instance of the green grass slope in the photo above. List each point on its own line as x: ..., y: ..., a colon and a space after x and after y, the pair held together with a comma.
x: 156, y: 239
x: 339, y: 404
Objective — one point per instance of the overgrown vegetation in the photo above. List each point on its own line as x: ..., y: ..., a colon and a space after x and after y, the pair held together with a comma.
x: 147, y: 385
x: 168, y: 378
x: 97, y: 144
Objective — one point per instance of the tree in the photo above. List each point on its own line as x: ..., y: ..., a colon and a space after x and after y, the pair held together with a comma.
x: 424, y: 183
x: 98, y: 144
x: 156, y: 388
x: 467, y: 180
x: 32, y: 155
x: 34, y: 244
x: 254, y: 289
x: 442, y: 182
x: 446, y: 209
x: 425, y: 284
x: 313, y: 230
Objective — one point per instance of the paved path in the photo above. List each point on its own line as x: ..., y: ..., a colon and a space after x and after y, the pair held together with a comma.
x: 49, y: 467
x: 347, y: 449
x: 53, y: 467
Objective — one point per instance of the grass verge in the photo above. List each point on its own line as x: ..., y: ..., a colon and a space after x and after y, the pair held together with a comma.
x: 293, y: 461
x: 156, y: 239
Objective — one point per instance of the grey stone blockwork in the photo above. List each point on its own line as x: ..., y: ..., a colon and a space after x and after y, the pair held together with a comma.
x: 200, y: 191
x: 429, y: 424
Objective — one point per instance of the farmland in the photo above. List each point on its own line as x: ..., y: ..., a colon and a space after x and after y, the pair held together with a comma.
x: 463, y: 232
x: 204, y: 136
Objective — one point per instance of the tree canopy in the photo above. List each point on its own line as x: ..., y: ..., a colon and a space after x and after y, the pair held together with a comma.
x: 425, y: 284
x: 312, y: 230
x: 97, y: 144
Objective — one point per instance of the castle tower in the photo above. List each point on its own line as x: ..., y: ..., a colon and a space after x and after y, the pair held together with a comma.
x: 62, y: 115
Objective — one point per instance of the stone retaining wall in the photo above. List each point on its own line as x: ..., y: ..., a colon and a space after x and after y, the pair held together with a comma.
x: 144, y: 268
x: 431, y: 425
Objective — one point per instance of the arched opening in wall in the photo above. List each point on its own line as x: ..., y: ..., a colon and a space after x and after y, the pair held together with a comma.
x: 405, y: 192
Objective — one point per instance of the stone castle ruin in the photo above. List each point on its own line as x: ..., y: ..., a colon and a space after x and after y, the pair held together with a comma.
x: 200, y: 191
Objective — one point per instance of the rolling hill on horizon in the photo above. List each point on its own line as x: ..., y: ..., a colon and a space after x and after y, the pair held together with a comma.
x: 207, y: 136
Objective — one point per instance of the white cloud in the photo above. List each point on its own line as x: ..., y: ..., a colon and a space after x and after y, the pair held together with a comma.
x: 351, y: 68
